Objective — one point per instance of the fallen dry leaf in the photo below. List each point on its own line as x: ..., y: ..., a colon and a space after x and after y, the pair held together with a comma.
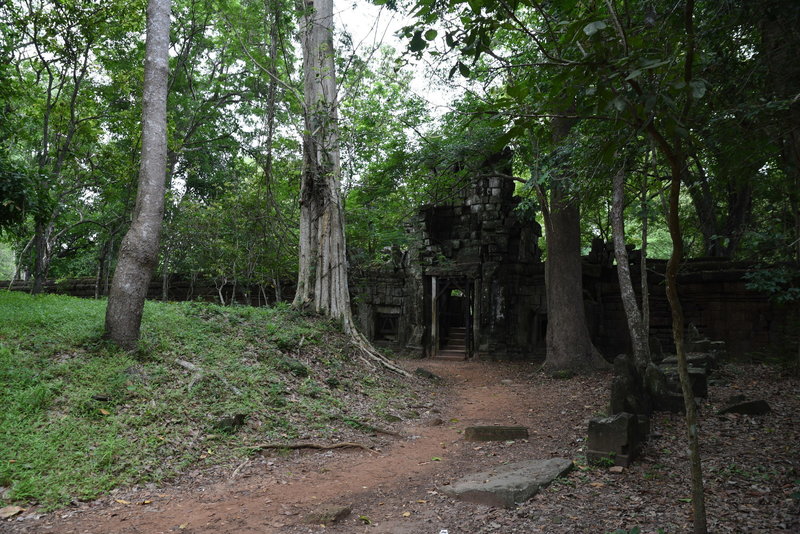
x: 122, y: 501
x: 406, y: 514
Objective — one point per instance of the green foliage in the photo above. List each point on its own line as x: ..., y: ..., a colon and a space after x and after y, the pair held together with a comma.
x: 81, y: 417
x: 7, y: 264
x: 779, y: 282
x: 635, y: 80
x: 14, y: 192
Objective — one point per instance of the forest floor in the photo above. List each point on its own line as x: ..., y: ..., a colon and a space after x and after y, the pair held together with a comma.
x: 751, y: 467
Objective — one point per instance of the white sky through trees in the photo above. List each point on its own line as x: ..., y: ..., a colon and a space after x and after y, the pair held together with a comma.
x: 372, y: 26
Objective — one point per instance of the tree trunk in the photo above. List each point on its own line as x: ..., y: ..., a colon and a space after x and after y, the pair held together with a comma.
x: 138, y: 253
x: 102, y: 267
x: 678, y: 165
x: 698, y: 495
x: 165, y: 275
x: 639, y: 342
x: 322, y: 278
x: 42, y: 249
x: 322, y: 275
x: 643, y: 265
x: 19, y: 262
x: 569, y: 347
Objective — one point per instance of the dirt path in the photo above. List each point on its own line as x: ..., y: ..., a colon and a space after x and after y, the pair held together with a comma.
x: 751, y: 470
x: 389, y: 488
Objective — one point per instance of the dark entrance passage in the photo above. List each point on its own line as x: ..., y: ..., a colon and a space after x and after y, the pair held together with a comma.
x: 451, y: 318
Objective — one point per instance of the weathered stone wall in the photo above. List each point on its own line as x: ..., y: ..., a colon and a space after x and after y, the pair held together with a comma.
x: 379, y: 296
x: 715, y: 299
x: 511, y: 308
x: 180, y: 289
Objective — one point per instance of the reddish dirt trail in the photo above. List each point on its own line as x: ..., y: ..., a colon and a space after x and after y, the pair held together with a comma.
x: 275, y: 494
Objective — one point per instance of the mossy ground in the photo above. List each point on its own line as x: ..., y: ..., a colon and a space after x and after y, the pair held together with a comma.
x: 80, y: 417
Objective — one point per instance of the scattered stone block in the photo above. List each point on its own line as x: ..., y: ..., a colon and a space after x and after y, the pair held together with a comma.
x: 328, y: 514
x: 230, y: 424
x: 701, y: 360
x: 698, y: 378
x: 613, y: 438
x: 664, y: 397
x: 656, y: 350
x: 495, y: 433
x: 424, y: 373
x: 735, y: 399
x: 509, y: 484
x: 701, y: 345
x: 754, y: 407
x: 642, y: 428
x: 627, y: 393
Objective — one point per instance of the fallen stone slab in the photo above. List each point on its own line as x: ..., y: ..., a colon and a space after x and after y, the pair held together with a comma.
x: 754, y: 407
x: 328, y: 514
x: 495, y: 433
x: 508, y: 484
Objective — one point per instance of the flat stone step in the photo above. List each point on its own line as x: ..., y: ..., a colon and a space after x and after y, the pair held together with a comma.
x: 495, y: 433
x: 508, y: 484
x: 451, y: 355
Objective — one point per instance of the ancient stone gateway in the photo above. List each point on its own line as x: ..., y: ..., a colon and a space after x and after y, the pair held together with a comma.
x: 470, y: 285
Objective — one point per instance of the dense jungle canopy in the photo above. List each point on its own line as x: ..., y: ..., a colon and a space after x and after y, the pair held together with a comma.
x: 638, y: 91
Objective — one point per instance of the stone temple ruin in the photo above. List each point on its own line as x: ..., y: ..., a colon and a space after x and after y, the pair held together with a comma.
x: 471, y: 285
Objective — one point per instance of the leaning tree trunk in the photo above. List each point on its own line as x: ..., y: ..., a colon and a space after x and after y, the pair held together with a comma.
x: 138, y: 253
x: 569, y: 346
x: 322, y: 275
x: 698, y: 495
x: 641, y: 352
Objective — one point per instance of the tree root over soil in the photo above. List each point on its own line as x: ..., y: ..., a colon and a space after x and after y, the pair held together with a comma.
x: 369, y: 354
x: 308, y: 445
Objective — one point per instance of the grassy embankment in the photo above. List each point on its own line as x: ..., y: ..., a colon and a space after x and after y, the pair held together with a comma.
x: 79, y: 417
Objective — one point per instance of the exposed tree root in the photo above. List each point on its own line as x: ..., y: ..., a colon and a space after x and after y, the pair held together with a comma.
x: 378, y: 430
x: 369, y: 353
x: 308, y: 445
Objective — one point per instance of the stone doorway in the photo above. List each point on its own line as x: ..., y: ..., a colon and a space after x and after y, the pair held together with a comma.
x: 451, y: 318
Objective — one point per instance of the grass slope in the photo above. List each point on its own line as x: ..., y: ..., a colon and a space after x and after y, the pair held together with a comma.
x: 79, y: 417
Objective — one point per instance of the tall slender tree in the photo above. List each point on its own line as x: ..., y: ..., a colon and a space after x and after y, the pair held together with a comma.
x: 138, y: 253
